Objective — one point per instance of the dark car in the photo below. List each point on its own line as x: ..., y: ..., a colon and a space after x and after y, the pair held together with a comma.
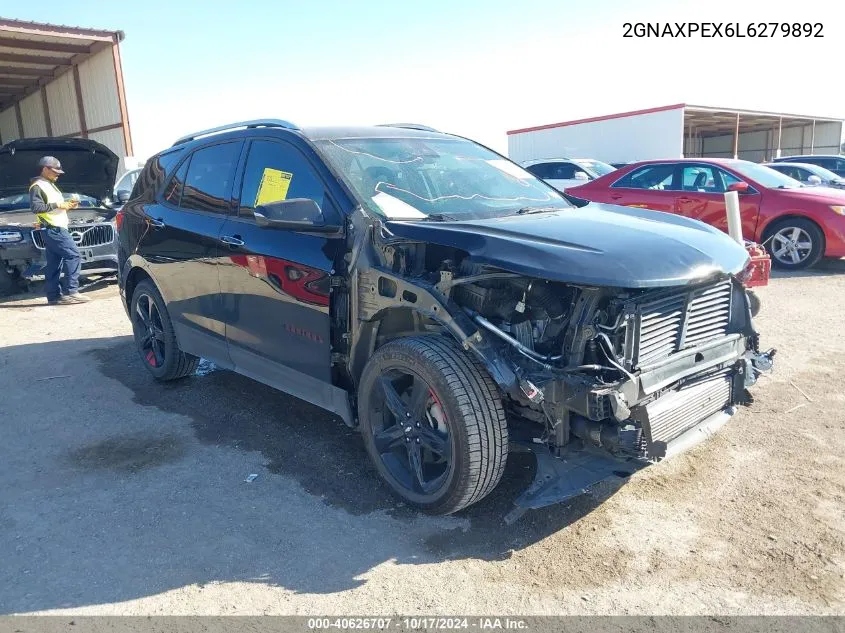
x: 90, y: 169
x: 809, y: 174
x: 440, y: 298
x: 833, y: 162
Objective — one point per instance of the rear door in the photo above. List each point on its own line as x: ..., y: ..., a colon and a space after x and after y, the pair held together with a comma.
x: 275, y: 283
x: 182, y: 247
x: 651, y: 186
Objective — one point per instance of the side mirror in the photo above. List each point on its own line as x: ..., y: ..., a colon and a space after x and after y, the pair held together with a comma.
x: 739, y: 187
x: 814, y: 181
x: 580, y: 175
x: 123, y: 196
x: 296, y: 214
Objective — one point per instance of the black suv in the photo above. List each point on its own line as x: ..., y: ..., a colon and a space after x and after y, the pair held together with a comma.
x: 442, y: 299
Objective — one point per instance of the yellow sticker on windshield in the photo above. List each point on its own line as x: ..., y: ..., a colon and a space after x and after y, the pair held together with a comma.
x: 274, y: 186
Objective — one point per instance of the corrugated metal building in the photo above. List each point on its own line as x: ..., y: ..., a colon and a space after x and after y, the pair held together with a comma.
x: 62, y: 81
x: 679, y: 130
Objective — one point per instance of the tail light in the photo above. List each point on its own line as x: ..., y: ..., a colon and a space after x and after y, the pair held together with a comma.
x: 118, y: 219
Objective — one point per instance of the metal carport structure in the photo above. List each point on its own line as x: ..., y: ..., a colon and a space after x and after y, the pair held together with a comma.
x: 755, y: 135
x: 60, y: 80
x: 679, y: 130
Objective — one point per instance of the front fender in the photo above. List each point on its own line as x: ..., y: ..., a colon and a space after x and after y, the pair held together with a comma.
x: 378, y: 291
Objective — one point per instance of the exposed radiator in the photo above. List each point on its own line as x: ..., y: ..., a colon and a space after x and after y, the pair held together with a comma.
x: 671, y: 323
x: 670, y: 415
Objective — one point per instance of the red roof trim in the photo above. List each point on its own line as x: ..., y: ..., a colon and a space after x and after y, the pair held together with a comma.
x: 598, y: 118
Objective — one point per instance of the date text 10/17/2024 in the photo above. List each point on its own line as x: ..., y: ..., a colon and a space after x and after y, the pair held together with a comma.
x: 419, y: 623
x: 722, y: 29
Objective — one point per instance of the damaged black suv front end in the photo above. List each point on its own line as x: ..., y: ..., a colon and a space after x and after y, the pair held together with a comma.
x: 639, y: 375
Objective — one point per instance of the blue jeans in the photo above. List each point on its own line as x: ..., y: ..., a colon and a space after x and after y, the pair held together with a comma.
x: 62, y: 254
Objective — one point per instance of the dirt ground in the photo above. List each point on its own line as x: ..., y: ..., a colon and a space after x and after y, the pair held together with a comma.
x: 123, y: 496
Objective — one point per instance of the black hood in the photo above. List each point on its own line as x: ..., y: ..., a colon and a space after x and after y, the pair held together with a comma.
x: 90, y: 168
x: 598, y: 244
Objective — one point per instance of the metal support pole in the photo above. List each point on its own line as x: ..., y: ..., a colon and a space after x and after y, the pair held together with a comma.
x: 780, y: 131
x: 734, y: 219
x: 813, y: 137
x: 736, y: 137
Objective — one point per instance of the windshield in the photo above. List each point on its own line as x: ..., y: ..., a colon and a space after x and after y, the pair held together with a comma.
x: 20, y: 202
x: 597, y: 167
x: 416, y: 178
x: 765, y: 176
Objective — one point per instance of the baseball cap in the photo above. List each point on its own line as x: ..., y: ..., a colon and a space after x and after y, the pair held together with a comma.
x: 51, y: 162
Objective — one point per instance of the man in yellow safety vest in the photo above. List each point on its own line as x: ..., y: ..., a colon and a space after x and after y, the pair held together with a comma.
x: 50, y: 207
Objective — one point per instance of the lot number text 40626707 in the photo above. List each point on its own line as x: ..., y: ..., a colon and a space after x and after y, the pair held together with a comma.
x: 722, y: 29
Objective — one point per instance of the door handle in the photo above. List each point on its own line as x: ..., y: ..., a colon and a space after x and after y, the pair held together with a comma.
x: 615, y: 196
x: 232, y: 240
x: 684, y: 199
x: 156, y: 223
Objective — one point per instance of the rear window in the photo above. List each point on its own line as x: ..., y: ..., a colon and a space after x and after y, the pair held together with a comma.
x: 154, y: 173
x: 658, y: 177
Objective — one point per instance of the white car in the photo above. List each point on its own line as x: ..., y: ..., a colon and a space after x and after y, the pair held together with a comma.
x: 561, y: 173
x: 126, y: 182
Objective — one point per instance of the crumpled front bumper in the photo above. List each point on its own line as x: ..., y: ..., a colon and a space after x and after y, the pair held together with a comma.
x: 615, y: 430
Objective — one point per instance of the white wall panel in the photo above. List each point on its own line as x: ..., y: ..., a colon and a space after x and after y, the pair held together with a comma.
x: 99, y: 93
x: 32, y: 113
x: 61, y: 100
x: 113, y: 139
x: 8, y: 125
x: 637, y: 137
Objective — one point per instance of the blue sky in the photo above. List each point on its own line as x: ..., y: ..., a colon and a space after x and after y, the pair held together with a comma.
x: 469, y: 67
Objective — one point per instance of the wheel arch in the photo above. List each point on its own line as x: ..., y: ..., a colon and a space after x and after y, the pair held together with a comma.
x: 410, y: 309
x: 767, y: 228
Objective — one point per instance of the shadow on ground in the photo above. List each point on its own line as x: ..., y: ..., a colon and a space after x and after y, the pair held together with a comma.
x: 825, y: 268
x: 119, y: 509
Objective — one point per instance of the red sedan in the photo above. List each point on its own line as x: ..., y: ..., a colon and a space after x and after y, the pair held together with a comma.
x: 797, y: 224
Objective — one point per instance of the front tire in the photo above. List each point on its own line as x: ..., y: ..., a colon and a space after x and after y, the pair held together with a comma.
x: 155, y: 338
x: 795, y: 243
x: 10, y: 283
x: 433, y: 423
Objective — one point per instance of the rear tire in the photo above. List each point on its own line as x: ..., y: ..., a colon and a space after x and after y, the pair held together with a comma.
x: 155, y: 338
x: 794, y: 243
x: 456, y: 399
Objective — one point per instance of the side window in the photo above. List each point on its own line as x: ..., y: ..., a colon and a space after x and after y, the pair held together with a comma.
x: 800, y: 174
x: 563, y: 171
x: 729, y: 179
x: 174, y: 188
x: 278, y: 171
x: 209, y: 180
x: 840, y: 165
x: 657, y: 177
x: 700, y: 178
x: 827, y: 163
x: 541, y: 170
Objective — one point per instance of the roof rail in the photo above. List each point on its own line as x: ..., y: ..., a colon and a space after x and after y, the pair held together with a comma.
x: 233, y: 126
x: 410, y: 126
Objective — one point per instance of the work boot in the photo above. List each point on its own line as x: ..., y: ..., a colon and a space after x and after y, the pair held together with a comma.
x: 75, y: 297
x: 64, y: 300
